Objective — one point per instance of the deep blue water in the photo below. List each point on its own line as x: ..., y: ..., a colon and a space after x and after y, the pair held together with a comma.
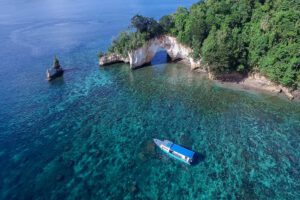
x: 89, y: 135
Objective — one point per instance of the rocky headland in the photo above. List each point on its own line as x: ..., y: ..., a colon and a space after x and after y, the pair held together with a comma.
x: 176, y: 51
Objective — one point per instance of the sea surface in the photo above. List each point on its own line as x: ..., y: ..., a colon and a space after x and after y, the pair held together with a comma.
x: 89, y: 134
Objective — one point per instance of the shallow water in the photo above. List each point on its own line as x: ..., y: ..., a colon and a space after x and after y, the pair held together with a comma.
x: 89, y: 135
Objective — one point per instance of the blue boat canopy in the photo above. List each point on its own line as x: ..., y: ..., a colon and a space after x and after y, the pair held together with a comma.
x: 168, y: 144
x: 183, y: 151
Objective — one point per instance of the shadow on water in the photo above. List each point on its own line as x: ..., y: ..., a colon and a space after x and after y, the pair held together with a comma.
x: 57, y: 82
x: 199, y: 157
x: 71, y: 69
x: 60, y: 80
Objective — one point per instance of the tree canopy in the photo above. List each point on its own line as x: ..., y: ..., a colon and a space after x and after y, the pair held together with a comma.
x: 146, y: 25
x: 231, y: 35
x: 127, y: 41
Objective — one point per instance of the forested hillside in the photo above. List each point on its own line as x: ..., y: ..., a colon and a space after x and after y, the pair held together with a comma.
x: 231, y: 35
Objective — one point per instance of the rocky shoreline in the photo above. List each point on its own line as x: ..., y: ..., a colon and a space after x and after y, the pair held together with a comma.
x: 176, y: 51
x: 256, y: 82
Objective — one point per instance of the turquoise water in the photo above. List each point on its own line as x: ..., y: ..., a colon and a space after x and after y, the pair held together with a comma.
x: 89, y: 135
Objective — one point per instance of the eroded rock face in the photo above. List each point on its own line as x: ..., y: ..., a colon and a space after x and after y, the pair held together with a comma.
x: 111, y: 59
x: 144, y: 55
x: 175, y: 50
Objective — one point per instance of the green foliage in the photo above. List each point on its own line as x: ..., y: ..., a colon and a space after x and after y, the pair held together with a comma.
x: 167, y: 23
x: 231, y: 35
x: 298, y: 80
x: 216, y: 50
x: 273, y: 39
x: 242, y: 35
x: 146, y: 28
x: 179, y: 30
x: 146, y: 25
x: 197, y: 27
x: 100, y: 54
x: 128, y: 41
x: 282, y: 64
x: 224, y: 50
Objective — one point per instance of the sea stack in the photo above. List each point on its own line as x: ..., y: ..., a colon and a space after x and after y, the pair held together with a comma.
x: 56, y: 71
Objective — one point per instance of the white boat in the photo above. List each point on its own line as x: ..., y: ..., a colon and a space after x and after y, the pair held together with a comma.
x: 176, y: 151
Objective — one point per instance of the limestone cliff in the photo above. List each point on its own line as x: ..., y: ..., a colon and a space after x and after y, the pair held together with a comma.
x: 144, y: 55
x: 111, y: 59
x: 174, y: 49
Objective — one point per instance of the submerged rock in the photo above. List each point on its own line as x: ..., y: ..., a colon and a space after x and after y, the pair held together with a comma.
x: 70, y: 163
x: 147, y: 151
x: 60, y: 177
x: 67, y: 148
x: 97, y: 153
x: 134, y: 188
x: 130, y: 164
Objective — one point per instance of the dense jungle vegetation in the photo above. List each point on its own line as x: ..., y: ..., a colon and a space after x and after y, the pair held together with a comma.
x: 230, y: 35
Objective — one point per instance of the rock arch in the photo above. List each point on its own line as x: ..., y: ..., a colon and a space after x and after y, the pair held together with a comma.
x: 161, y: 57
x: 143, y: 55
x: 174, y: 49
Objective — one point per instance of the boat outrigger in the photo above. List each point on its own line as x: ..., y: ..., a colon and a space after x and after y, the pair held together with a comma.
x: 176, y: 151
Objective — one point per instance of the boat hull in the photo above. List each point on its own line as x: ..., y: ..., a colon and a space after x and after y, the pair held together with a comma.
x: 159, y: 143
x: 175, y: 157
